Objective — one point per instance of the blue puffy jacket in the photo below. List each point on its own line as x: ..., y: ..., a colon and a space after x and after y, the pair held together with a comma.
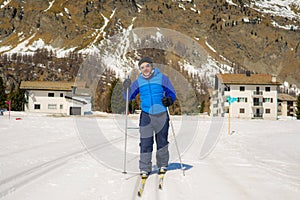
x: 152, y: 91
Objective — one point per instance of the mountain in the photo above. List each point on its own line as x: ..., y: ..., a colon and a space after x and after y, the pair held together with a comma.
x: 261, y: 36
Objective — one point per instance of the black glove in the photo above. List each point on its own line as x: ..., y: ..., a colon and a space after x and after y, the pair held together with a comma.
x: 126, y: 83
x: 167, y: 101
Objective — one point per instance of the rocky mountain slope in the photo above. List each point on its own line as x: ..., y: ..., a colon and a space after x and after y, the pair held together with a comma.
x: 261, y: 36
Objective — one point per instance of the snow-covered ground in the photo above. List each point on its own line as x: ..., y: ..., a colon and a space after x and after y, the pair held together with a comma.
x: 45, y: 157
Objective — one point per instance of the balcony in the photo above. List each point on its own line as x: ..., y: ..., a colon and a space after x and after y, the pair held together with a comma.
x: 257, y: 93
x: 258, y: 116
x: 257, y: 104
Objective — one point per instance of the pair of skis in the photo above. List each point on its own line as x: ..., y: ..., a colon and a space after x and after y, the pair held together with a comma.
x: 143, y: 183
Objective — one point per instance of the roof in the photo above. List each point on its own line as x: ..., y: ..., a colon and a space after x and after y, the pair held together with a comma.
x: 243, y: 79
x: 285, y: 97
x: 47, y: 85
x: 76, y: 99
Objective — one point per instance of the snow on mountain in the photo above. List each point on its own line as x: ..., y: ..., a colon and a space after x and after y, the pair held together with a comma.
x: 5, y: 3
x: 24, y: 48
x: 50, y: 5
x: 275, y: 7
x: 281, y: 8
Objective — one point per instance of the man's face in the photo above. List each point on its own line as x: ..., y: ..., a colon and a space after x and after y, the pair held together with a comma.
x: 146, y: 68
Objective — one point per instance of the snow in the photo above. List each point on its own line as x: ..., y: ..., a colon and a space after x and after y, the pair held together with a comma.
x: 210, y: 47
x: 45, y: 157
x: 22, y: 46
x: 180, y: 5
x: 50, y: 5
x: 289, y: 88
x: 281, y: 8
x: 278, y: 7
x: 67, y: 11
x: 92, y: 48
x: 4, y: 48
x: 195, y: 10
x: 287, y: 27
x: 25, y: 48
x: 5, y: 3
x: 231, y: 3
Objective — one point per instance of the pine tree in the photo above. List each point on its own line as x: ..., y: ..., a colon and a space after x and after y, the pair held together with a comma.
x: 2, y: 94
x: 298, y: 107
x: 116, y: 102
x: 17, y: 98
x: 202, y: 106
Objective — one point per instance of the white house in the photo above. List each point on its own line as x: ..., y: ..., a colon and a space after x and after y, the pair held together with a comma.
x: 54, y: 98
x: 256, y: 96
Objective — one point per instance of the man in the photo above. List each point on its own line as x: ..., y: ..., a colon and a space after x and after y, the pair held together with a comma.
x: 156, y: 94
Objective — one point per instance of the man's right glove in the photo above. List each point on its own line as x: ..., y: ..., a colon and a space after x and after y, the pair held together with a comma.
x: 126, y: 83
x: 167, y: 101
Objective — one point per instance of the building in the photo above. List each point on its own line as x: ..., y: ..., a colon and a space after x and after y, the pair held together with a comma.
x: 256, y: 96
x: 55, y: 98
x: 286, y: 105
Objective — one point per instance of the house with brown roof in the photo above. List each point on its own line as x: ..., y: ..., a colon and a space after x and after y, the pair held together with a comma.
x: 286, y: 105
x: 255, y: 95
x: 54, y: 98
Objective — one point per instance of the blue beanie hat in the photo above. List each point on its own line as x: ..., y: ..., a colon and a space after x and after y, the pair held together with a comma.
x: 145, y: 59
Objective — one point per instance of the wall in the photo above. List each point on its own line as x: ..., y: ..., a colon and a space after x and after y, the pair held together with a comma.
x: 41, y: 97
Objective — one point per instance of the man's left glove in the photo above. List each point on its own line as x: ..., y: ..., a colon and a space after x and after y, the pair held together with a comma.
x: 167, y: 101
x: 126, y: 83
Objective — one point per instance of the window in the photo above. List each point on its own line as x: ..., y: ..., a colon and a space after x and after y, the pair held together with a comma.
x: 227, y: 88
x: 268, y: 89
x: 242, y: 88
x: 61, y: 106
x: 242, y: 110
x: 268, y: 100
x: 226, y: 110
x: 242, y: 99
x: 52, y: 106
x: 37, y: 106
x: 50, y: 94
x: 268, y: 110
x: 61, y: 94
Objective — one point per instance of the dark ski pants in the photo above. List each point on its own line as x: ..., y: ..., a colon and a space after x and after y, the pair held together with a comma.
x: 153, y: 126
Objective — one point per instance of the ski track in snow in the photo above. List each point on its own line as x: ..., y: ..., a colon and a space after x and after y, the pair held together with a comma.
x: 23, y: 178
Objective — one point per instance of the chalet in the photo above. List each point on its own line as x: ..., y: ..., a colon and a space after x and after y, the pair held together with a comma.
x: 286, y: 105
x: 54, y: 98
x: 255, y: 95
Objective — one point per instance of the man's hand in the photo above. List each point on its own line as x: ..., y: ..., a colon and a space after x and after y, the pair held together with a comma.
x: 167, y: 101
x: 127, y: 83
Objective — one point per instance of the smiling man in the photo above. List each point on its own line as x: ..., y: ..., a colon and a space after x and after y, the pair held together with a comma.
x: 156, y: 94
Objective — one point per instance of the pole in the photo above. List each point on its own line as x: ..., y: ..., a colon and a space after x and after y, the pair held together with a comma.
x: 173, y: 132
x: 9, y: 107
x: 229, y: 120
x: 126, y: 119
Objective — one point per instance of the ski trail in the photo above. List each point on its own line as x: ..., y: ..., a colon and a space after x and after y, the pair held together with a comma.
x: 136, y: 188
x: 156, y: 188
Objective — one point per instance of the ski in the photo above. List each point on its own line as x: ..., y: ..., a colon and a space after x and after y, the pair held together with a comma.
x: 142, y: 185
x: 161, y: 173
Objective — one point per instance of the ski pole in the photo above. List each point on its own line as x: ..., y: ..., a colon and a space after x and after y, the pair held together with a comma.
x: 125, y: 146
x: 173, y: 132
